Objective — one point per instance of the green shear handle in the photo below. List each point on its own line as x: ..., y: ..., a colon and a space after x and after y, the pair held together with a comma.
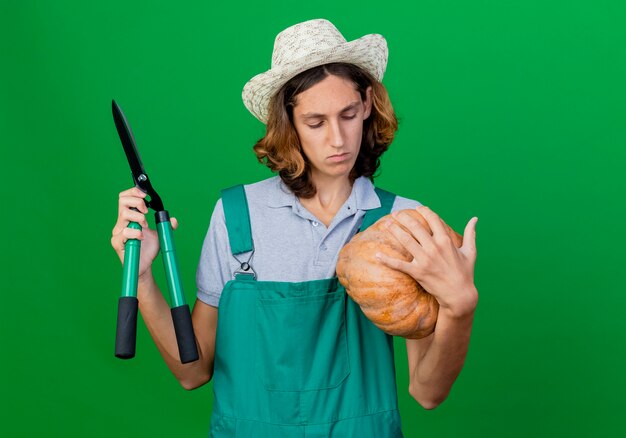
x: 127, y: 306
x: 181, y: 316
x: 126, y: 333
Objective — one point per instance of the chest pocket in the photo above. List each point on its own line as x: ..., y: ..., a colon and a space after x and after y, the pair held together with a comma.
x: 301, y: 341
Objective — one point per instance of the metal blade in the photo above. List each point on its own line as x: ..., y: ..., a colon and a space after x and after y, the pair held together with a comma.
x: 140, y: 178
x: 128, y: 141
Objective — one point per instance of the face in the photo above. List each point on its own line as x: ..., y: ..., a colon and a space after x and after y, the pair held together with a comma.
x: 328, y: 118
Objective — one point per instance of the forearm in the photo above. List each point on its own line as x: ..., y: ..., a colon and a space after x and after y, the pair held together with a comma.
x: 433, y: 374
x: 157, y: 317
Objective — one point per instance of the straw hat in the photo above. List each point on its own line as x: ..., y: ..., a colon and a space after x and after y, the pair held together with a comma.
x: 307, y: 45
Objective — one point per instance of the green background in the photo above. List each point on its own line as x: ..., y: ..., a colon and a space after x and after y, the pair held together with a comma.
x: 513, y: 111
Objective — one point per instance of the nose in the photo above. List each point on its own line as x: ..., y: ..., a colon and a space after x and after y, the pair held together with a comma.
x: 336, y: 136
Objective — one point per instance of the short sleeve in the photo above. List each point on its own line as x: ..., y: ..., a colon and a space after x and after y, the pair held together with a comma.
x: 401, y: 203
x: 215, y: 268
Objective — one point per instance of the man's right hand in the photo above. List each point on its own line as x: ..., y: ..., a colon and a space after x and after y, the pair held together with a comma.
x: 128, y: 199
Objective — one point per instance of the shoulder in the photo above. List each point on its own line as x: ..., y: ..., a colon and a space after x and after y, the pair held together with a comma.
x: 401, y: 203
x: 264, y: 189
x: 261, y: 192
x: 263, y: 200
x: 265, y: 184
x: 259, y: 196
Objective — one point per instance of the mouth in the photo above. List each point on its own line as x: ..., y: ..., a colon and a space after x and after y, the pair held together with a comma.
x: 339, y: 157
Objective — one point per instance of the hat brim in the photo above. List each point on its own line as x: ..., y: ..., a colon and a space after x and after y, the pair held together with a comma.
x: 368, y: 52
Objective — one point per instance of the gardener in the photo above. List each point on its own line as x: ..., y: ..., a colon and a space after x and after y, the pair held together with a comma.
x: 291, y: 354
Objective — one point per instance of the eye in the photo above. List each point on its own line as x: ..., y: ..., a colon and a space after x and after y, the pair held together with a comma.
x: 349, y: 117
x: 317, y: 125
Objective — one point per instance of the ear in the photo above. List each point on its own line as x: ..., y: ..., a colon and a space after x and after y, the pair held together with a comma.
x: 367, y: 103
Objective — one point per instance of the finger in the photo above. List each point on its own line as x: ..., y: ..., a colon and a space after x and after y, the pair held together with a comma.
x: 131, y: 233
x: 118, y: 241
x: 134, y: 216
x: 421, y: 234
x: 126, y: 218
x: 133, y: 191
x: 394, y: 263
x: 127, y: 202
x: 434, y: 221
x: 174, y: 223
x: 469, y: 238
x: 406, y: 239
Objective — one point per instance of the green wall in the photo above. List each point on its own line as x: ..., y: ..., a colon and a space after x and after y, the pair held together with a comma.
x: 513, y: 111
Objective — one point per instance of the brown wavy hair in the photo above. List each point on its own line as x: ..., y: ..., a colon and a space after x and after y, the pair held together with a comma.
x: 280, y: 148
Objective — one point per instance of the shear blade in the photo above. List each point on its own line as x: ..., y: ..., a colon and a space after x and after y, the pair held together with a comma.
x: 128, y: 142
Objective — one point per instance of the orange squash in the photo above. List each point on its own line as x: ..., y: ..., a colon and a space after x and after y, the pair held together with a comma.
x: 391, y: 299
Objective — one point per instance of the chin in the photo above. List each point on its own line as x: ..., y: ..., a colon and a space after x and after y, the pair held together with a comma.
x: 342, y: 170
x: 337, y: 170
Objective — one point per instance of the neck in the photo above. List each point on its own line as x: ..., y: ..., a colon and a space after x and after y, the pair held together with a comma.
x: 331, y: 193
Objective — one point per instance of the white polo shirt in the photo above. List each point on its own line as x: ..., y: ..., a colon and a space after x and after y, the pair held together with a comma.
x: 290, y: 243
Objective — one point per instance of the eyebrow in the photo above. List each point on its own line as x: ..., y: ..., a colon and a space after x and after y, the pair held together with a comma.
x: 307, y: 116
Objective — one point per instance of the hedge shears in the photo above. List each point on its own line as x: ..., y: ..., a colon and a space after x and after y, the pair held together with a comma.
x: 126, y: 333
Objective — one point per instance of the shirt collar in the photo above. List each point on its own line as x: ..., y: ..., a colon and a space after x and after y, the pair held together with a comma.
x: 362, y: 197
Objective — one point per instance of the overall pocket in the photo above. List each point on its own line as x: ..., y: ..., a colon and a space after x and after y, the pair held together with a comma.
x: 301, y: 342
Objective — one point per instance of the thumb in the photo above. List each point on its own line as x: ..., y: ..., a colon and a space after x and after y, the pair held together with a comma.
x: 174, y: 222
x: 469, y: 238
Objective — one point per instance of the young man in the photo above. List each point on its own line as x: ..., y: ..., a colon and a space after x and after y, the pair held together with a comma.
x: 291, y: 354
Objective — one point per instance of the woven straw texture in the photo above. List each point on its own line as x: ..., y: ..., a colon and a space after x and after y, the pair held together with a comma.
x: 307, y: 45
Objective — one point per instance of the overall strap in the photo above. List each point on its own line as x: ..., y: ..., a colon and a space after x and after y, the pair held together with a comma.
x: 386, y: 203
x: 237, y: 218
